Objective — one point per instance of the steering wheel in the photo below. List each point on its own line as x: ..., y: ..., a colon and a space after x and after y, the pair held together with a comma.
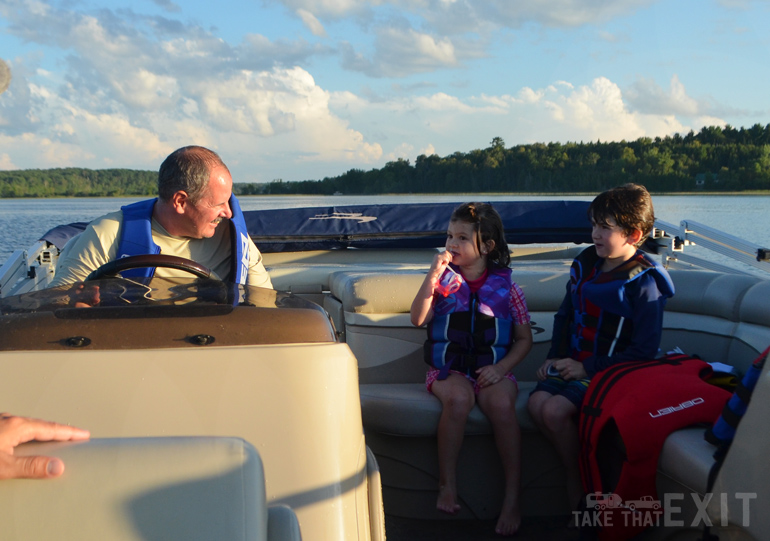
x: 113, y: 268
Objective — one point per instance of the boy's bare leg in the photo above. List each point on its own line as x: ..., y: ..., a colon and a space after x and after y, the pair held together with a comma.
x: 535, y: 406
x: 554, y: 415
x: 498, y: 402
x: 457, y: 400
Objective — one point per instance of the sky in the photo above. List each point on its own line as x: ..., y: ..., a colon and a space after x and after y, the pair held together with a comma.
x: 305, y: 89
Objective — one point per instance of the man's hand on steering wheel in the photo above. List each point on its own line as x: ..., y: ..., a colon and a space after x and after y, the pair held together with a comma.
x: 86, y: 294
x: 113, y: 268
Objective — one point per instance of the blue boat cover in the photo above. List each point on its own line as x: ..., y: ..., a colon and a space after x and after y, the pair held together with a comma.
x: 59, y: 235
x: 417, y: 225
x: 414, y: 225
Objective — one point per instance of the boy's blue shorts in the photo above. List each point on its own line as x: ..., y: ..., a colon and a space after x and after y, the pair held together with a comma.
x: 573, y: 390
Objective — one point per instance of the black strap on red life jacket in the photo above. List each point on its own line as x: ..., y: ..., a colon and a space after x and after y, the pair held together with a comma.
x: 591, y: 412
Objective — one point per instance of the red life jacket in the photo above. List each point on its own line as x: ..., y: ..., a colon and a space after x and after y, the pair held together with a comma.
x: 646, y: 401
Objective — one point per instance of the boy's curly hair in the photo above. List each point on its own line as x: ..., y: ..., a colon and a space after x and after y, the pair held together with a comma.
x: 630, y: 206
x: 488, y: 225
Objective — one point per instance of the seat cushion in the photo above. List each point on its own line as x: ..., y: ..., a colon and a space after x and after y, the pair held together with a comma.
x: 131, y: 489
x: 408, y: 409
x: 687, y: 458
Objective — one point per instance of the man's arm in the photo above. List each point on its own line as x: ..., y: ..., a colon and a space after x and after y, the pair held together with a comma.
x: 88, y: 251
x: 258, y: 276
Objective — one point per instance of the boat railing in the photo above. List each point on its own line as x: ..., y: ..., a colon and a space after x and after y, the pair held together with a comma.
x: 28, y: 270
x: 672, y: 242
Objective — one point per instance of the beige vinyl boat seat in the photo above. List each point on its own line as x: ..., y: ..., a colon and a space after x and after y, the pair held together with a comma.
x: 125, y: 376
x: 400, y: 417
x: 135, y: 489
x: 721, y: 318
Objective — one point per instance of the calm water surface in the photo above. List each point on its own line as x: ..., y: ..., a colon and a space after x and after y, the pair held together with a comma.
x: 23, y: 221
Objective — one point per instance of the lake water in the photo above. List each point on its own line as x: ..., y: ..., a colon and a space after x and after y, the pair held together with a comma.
x: 23, y: 221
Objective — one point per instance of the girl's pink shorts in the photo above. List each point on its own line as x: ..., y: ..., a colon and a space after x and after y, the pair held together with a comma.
x: 432, y: 374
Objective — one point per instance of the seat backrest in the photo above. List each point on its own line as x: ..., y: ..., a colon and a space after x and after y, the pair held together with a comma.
x: 135, y: 489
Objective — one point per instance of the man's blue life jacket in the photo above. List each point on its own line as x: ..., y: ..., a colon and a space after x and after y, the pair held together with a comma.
x: 136, y: 239
x: 471, y: 330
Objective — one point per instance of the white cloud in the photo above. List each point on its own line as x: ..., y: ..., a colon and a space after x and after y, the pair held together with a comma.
x: 528, y: 95
x: 284, y: 106
x: 501, y: 103
x: 460, y: 16
x: 404, y: 151
x: 312, y: 23
x: 104, y: 133
x: 331, y: 8
x: 146, y: 90
x: 702, y: 121
x: 559, y: 112
x: 29, y: 151
x: 591, y: 112
x: 347, y: 102
x: 285, y: 102
x: 129, y: 96
x: 429, y: 150
x: 442, y: 102
x: 129, y: 88
x: 436, y: 51
x: 445, y: 33
x: 401, y: 52
x: 556, y: 12
x: 6, y: 164
x: 648, y: 97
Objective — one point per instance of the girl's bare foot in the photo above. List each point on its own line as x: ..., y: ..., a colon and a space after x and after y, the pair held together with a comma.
x: 510, y: 519
x: 447, y: 500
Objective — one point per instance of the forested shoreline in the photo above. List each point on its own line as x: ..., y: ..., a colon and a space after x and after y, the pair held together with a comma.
x: 714, y: 160
x: 77, y: 182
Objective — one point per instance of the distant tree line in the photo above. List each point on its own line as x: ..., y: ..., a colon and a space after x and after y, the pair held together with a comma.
x: 714, y: 159
x: 77, y: 182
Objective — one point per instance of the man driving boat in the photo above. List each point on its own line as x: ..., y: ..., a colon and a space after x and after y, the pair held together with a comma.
x: 194, y: 196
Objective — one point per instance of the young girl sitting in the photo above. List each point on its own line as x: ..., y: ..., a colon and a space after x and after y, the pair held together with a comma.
x: 478, y: 330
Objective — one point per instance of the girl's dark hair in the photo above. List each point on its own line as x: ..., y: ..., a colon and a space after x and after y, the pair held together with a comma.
x: 487, y: 225
x: 629, y: 205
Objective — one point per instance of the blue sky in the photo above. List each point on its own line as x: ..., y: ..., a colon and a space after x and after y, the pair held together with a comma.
x: 303, y: 89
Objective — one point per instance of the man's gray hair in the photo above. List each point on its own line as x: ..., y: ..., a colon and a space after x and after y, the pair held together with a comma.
x: 187, y: 169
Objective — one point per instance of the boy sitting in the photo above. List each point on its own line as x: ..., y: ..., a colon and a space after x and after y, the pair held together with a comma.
x: 612, y: 312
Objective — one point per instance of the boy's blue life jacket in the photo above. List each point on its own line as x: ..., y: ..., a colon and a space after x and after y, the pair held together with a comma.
x: 603, y: 325
x: 136, y: 239
x: 471, y: 330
